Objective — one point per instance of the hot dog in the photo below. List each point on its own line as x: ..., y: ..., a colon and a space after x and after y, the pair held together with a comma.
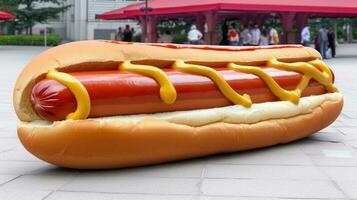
x: 102, y: 104
x: 112, y: 92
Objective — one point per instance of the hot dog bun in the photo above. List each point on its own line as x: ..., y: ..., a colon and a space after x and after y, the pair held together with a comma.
x: 147, y: 139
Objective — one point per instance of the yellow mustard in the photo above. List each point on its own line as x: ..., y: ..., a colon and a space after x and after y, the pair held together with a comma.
x: 285, y: 95
x: 167, y: 90
x: 77, y: 89
x: 222, y: 84
x: 308, y: 70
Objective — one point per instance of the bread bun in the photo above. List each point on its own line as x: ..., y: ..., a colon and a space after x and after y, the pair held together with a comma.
x: 99, y: 144
x: 123, y: 141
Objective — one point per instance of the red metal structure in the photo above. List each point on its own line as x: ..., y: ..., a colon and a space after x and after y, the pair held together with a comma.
x: 6, y: 16
x: 211, y: 12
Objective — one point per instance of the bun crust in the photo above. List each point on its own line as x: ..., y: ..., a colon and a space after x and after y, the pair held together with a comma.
x: 94, y: 144
x: 104, y: 55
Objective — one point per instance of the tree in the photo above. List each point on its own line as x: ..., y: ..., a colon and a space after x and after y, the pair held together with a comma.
x: 28, y: 13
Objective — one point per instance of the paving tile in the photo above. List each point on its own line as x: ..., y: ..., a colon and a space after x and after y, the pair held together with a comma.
x: 252, y: 198
x: 127, y: 184
x: 6, y: 178
x: 311, y: 147
x: 349, y: 132
x: 40, y: 182
x: 19, y: 194
x: 267, y: 156
x: 328, y: 137
x: 267, y: 172
x: 17, y: 154
x: 341, y: 173
x: 7, y: 144
x: 271, y: 188
x: 350, y: 122
x: 183, y: 169
x: 20, y: 167
x: 333, y: 161
x: 60, y: 195
x: 349, y: 187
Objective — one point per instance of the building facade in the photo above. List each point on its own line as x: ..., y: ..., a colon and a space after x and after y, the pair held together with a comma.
x: 79, y: 23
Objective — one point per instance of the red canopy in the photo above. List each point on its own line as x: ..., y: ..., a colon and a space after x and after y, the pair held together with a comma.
x: 5, y: 15
x: 329, y: 7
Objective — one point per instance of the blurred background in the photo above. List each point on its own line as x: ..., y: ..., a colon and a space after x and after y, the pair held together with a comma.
x: 51, y: 22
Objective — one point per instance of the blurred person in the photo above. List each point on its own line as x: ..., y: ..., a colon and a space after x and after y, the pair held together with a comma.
x: 194, y: 36
x: 323, y: 41
x: 233, y: 35
x: 255, y: 32
x: 166, y: 37
x: 332, y: 41
x: 127, y: 34
x: 317, y: 44
x: 246, y: 37
x: 264, y: 39
x: 119, y: 35
x: 305, y: 36
x: 273, y: 36
x: 224, y: 40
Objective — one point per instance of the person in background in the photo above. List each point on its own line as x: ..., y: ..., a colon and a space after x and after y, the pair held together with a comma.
x: 332, y: 41
x: 255, y: 32
x: 224, y: 40
x: 194, y: 36
x: 233, y: 35
x: 305, y: 36
x: 166, y: 37
x: 323, y: 40
x: 264, y: 39
x: 273, y: 36
x: 119, y: 35
x: 128, y: 34
x: 246, y: 37
x: 317, y: 44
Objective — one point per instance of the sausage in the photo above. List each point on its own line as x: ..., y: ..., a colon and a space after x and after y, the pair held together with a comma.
x: 123, y: 93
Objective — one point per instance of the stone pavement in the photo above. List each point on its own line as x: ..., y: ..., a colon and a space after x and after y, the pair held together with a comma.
x: 323, y: 166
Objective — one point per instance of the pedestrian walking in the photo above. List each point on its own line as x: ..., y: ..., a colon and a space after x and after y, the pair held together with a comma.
x: 264, y: 39
x: 255, y: 32
x: 305, y: 36
x: 332, y: 41
x: 323, y: 41
x: 273, y: 36
x: 194, y: 36
x: 127, y: 34
x: 233, y: 36
x: 119, y: 35
x: 224, y: 40
x: 246, y: 37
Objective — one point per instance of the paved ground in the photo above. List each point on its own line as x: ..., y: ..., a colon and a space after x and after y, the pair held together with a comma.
x: 323, y: 166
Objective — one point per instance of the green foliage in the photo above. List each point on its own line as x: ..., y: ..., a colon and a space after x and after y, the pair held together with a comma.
x: 179, y: 38
x: 27, y: 14
x: 52, y: 40
x: 137, y: 38
x: 177, y: 27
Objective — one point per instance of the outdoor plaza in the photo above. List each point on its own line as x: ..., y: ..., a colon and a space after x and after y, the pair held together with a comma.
x: 322, y: 166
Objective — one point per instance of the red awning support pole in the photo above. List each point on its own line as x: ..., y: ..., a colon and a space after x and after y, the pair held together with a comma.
x: 200, y: 22
x: 211, y: 20
x: 152, y: 33
x: 301, y: 21
x: 287, y: 20
x: 143, y: 29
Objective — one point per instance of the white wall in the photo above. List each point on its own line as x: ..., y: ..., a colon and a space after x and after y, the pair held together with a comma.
x: 79, y: 23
